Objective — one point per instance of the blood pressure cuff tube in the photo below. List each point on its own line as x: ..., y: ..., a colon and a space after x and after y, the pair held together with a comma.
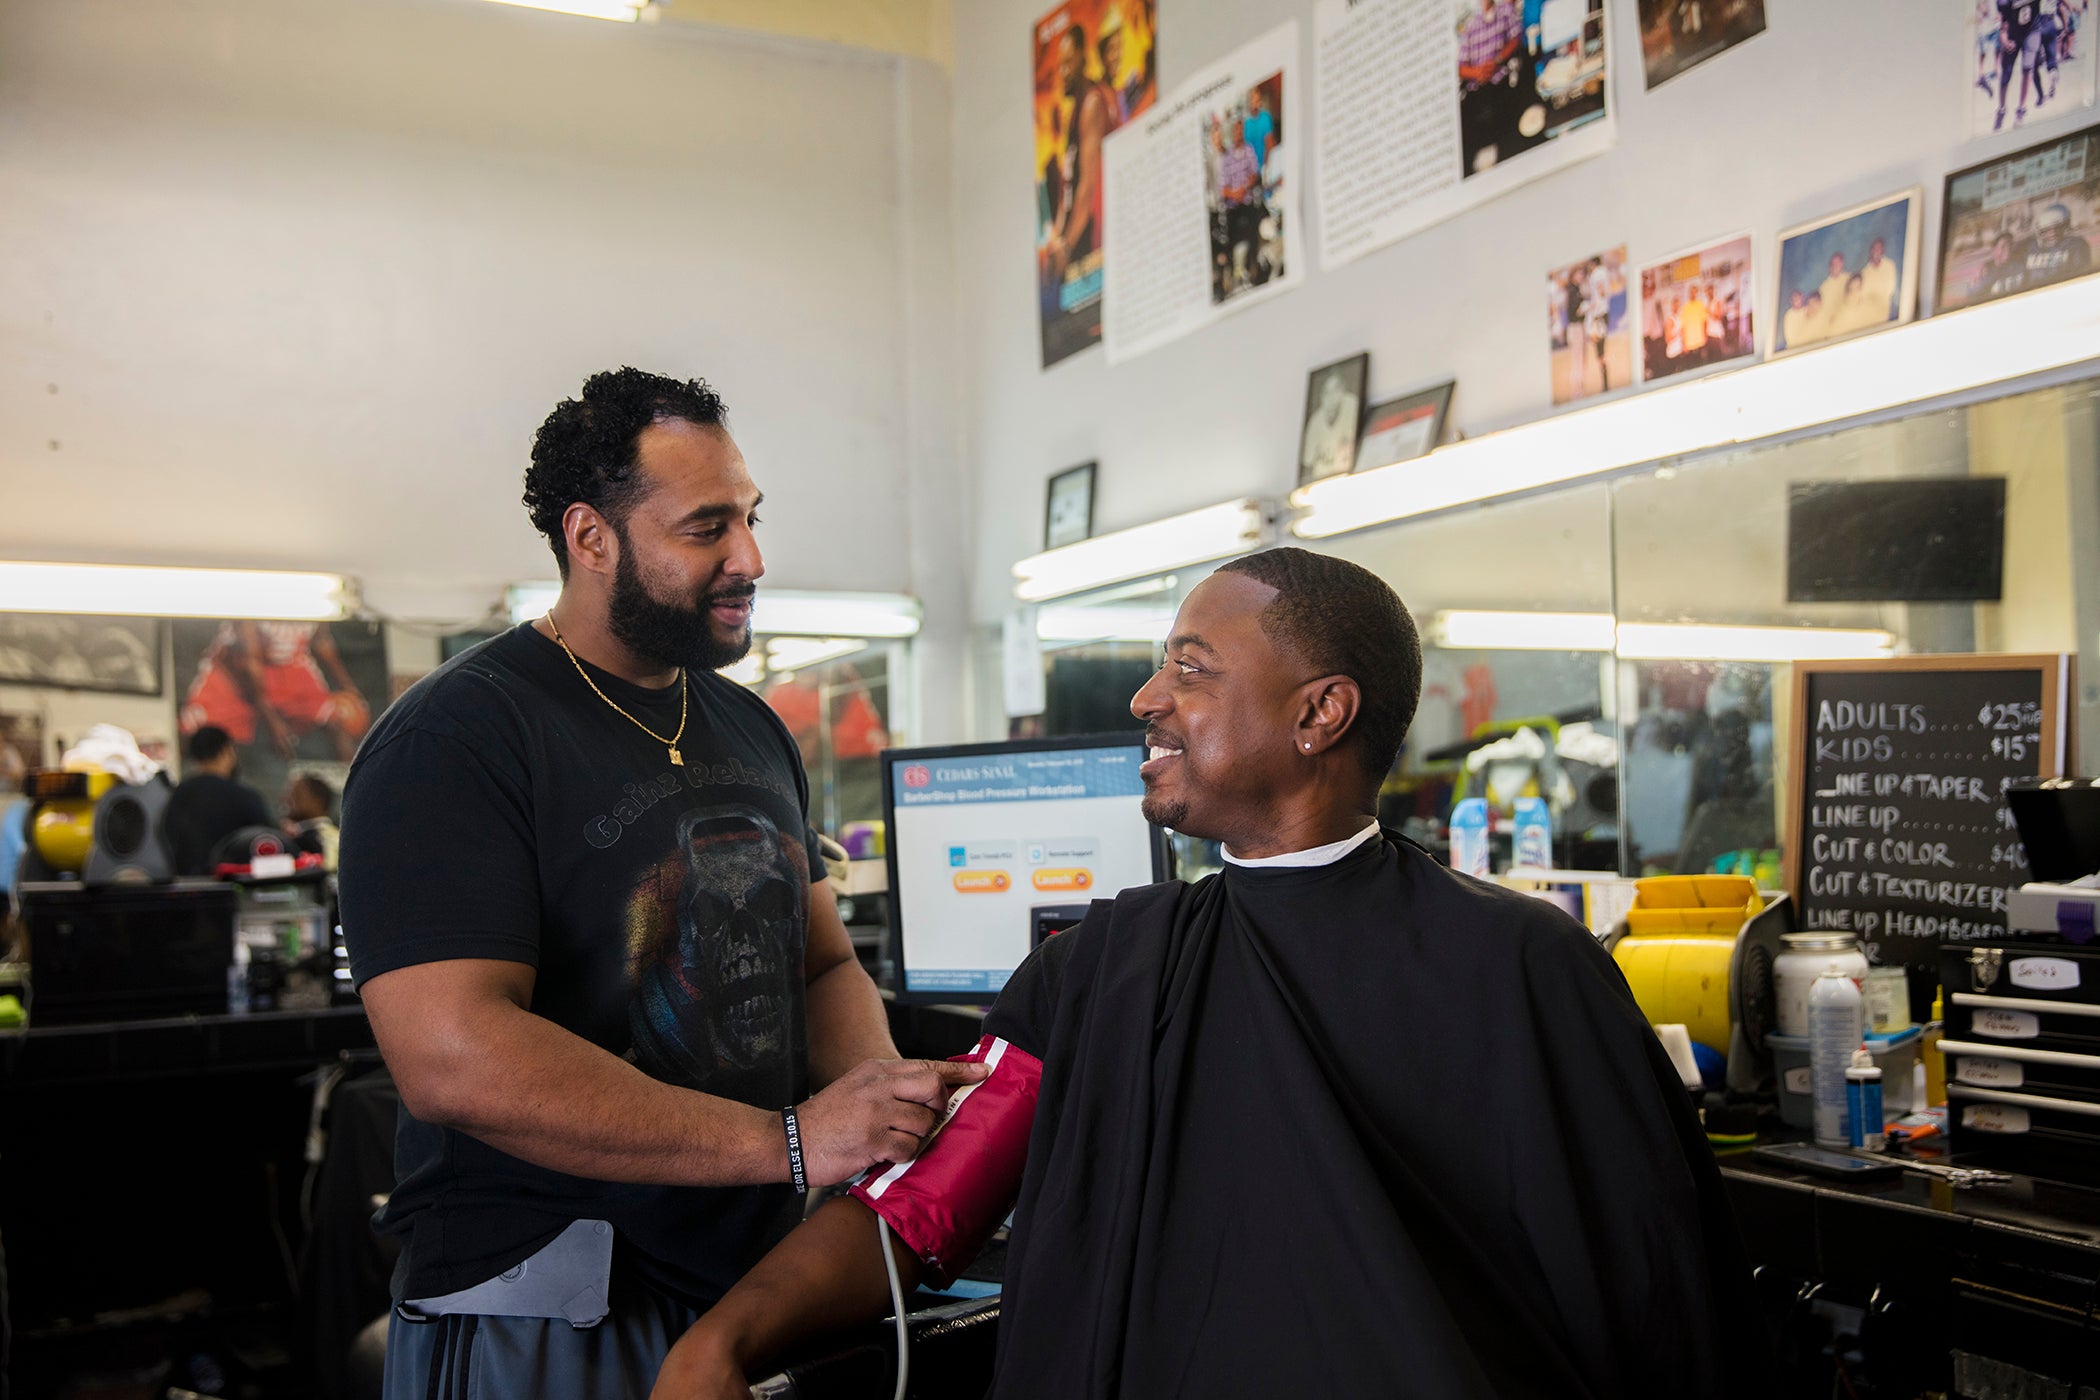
x: 946, y: 1202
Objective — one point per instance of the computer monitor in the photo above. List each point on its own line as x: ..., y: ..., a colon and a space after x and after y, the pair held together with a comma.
x: 994, y: 846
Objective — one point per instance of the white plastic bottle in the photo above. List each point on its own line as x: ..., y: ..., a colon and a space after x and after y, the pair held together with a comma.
x: 1836, y: 1013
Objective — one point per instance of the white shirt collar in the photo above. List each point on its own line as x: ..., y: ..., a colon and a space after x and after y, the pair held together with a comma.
x: 1318, y: 855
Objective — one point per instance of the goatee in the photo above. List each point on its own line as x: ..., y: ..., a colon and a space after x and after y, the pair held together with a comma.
x: 666, y: 634
x: 1164, y: 812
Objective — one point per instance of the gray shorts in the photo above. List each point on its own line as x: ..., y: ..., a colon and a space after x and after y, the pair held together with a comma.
x: 471, y: 1357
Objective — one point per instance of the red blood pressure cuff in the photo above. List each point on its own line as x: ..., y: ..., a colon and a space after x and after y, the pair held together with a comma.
x: 946, y: 1202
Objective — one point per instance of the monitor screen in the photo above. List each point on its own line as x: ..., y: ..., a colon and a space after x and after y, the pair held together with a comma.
x: 993, y: 847
x: 1914, y: 540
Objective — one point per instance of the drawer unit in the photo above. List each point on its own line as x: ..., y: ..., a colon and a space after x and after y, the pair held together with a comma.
x: 2037, y: 1024
x: 2037, y: 1134
x: 2054, y: 972
x: 2023, y: 1069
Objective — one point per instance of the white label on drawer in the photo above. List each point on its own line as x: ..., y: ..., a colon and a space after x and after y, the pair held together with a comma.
x: 1799, y: 1081
x: 1990, y: 1073
x: 1994, y: 1118
x: 2006, y: 1025
x: 2045, y: 974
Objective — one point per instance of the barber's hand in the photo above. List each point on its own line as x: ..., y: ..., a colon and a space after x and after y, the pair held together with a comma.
x: 700, y: 1367
x: 878, y: 1111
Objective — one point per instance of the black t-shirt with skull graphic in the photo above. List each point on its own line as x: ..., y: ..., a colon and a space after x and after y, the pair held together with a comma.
x: 501, y: 810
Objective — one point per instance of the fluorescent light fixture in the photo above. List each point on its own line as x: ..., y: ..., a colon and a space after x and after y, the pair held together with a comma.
x: 775, y: 612
x: 748, y: 672
x: 625, y: 11
x: 1460, y: 630
x: 129, y: 591
x: 794, y: 653
x: 1210, y: 533
x: 781, y: 612
x: 1995, y: 343
x: 1689, y: 641
x: 1112, y: 622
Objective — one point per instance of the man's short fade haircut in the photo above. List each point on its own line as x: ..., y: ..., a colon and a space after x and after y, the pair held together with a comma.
x: 587, y: 449
x: 1344, y: 620
x: 207, y: 744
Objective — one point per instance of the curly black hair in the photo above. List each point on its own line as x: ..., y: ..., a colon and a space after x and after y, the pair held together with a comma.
x: 1344, y: 620
x: 587, y: 449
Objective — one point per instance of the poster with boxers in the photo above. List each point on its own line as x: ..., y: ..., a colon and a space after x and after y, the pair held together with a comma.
x: 1095, y: 68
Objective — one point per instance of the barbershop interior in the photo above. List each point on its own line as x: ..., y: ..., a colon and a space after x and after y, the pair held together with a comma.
x: 490, y: 906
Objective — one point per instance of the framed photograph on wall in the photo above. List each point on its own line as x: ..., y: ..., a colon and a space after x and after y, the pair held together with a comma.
x: 1848, y: 274
x: 2019, y: 222
x: 1068, y: 510
x: 1679, y: 35
x: 1334, y: 408
x: 1695, y: 310
x: 2026, y: 49
x: 1402, y: 429
x: 1589, y: 327
x: 120, y: 655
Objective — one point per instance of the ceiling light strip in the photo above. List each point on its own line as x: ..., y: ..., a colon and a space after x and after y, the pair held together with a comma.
x: 1195, y: 537
x: 131, y: 591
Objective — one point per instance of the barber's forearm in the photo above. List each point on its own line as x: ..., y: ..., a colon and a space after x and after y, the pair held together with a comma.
x: 529, y: 1088
x: 847, y: 1022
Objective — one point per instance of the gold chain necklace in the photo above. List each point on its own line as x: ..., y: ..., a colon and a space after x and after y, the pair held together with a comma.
x: 671, y: 743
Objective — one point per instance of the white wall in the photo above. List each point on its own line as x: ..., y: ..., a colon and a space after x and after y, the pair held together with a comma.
x: 291, y: 282
x: 1841, y: 100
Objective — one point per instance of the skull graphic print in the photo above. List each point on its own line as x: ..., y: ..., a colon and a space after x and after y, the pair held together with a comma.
x: 718, y: 987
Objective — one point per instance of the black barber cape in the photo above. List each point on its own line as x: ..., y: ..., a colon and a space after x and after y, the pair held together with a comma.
x: 1367, y: 1129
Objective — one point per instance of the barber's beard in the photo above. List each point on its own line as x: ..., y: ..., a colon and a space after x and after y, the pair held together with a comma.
x: 668, y: 634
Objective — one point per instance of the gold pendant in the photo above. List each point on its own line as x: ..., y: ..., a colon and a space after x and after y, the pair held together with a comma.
x: 677, y: 759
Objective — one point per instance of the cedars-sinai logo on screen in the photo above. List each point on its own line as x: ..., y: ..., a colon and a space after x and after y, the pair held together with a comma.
x: 917, y: 775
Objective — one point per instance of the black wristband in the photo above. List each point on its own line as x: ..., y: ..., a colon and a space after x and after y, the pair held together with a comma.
x: 796, y: 1173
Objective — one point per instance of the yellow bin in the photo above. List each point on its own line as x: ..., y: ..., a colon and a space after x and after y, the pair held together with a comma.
x: 1680, y: 942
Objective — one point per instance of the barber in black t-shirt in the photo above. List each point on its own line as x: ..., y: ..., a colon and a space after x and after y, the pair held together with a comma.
x: 585, y: 911
x: 210, y: 803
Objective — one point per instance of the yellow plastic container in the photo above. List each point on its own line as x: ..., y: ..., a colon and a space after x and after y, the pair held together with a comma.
x: 1693, y: 904
x: 63, y: 829
x: 1680, y: 941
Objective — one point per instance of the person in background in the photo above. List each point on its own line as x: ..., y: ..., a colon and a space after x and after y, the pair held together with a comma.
x: 1596, y: 320
x: 2000, y: 274
x: 1076, y: 230
x: 1881, y: 280
x: 1239, y: 181
x: 1693, y: 321
x: 1797, y: 327
x: 2018, y: 47
x: 309, y: 817
x: 2053, y: 253
x: 1833, y: 293
x: 1259, y: 126
x: 1488, y: 101
x: 210, y: 803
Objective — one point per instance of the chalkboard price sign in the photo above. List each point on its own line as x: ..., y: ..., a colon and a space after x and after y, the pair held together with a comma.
x: 1897, y: 828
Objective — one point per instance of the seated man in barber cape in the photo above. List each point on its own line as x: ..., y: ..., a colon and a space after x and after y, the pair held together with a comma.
x: 1336, y: 1118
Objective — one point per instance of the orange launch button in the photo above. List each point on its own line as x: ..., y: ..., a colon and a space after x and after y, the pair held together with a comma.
x: 1064, y: 879
x: 982, y: 882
